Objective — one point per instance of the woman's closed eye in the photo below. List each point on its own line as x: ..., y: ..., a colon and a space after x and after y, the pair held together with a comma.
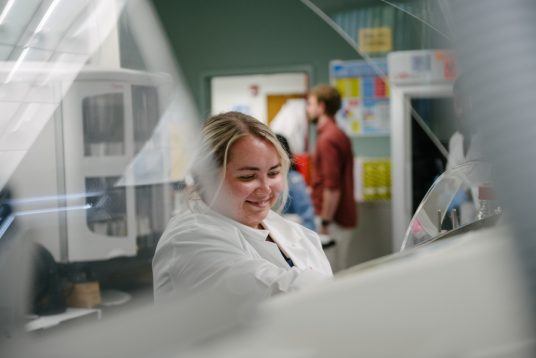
x: 247, y: 177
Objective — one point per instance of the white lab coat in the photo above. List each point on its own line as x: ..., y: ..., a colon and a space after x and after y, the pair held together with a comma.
x: 204, y: 250
x: 458, y: 157
x: 291, y: 122
x: 456, y: 154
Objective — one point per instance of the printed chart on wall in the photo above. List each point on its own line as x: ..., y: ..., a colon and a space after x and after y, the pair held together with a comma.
x: 365, y: 96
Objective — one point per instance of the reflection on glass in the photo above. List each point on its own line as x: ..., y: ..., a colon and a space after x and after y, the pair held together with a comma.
x: 151, y: 215
x: 152, y: 203
x: 103, y: 120
x: 371, y: 26
x: 145, y: 114
x: 454, y: 200
x: 55, y: 53
x: 431, y: 127
x: 107, y: 215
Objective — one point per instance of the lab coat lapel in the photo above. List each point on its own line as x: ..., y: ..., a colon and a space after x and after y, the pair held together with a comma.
x: 256, y: 238
x: 288, y: 238
x: 266, y: 249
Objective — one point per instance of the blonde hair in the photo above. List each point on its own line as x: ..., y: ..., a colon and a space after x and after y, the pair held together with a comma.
x: 219, y: 133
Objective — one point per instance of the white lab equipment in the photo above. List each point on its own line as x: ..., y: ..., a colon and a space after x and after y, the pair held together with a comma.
x: 457, y: 155
x: 69, y: 159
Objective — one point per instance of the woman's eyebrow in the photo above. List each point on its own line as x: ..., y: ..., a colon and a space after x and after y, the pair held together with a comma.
x: 257, y: 168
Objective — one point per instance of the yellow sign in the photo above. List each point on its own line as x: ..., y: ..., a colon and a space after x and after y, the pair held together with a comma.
x: 348, y: 87
x: 376, y: 179
x: 375, y: 39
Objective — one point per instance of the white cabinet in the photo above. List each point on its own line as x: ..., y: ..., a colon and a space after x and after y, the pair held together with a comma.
x: 103, y: 121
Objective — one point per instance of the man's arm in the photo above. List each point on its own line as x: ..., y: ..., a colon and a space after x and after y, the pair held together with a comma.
x: 330, y: 201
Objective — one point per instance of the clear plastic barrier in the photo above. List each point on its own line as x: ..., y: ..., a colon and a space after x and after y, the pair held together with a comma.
x: 452, y: 201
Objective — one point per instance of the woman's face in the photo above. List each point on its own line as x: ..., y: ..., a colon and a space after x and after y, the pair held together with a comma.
x: 253, y: 181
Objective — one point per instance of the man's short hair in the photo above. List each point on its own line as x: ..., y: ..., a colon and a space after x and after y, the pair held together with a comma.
x: 329, y: 96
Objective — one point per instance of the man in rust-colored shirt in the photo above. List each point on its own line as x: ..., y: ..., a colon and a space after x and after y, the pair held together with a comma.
x: 333, y: 172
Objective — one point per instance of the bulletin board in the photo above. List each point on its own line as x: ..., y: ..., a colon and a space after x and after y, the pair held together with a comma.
x: 364, y: 90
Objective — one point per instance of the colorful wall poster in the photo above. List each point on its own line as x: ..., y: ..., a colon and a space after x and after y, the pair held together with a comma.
x: 365, y: 96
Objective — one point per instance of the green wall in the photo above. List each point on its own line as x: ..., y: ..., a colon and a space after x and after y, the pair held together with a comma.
x: 231, y: 37
x: 217, y: 37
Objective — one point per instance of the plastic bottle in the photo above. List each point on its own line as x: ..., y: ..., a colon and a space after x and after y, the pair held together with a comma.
x: 486, y: 198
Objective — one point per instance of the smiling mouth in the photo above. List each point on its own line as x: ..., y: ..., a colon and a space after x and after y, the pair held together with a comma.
x: 259, y: 203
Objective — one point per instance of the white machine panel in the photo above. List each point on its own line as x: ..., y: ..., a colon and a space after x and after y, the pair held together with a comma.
x: 421, y: 66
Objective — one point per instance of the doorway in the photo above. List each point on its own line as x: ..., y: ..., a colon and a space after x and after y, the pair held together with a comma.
x: 259, y: 95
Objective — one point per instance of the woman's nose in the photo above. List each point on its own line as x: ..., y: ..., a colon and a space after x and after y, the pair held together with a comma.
x: 264, y: 187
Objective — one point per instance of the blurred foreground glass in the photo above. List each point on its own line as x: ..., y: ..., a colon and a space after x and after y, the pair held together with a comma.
x: 97, y: 132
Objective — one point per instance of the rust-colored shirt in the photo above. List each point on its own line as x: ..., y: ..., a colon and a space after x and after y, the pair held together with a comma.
x: 334, y: 169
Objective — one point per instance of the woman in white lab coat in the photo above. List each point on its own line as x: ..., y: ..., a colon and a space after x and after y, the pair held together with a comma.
x: 225, y: 238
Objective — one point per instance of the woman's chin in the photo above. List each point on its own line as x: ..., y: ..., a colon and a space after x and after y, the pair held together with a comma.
x: 255, y: 219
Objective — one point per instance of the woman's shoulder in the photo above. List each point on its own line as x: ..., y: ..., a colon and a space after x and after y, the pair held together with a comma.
x: 190, y: 222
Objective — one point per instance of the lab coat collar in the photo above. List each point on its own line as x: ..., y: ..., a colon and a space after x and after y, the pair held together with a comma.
x: 255, y: 237
x: 287, y: 237
x: 284, y: 234
x: 259, y: 234
x: 280, y: 228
